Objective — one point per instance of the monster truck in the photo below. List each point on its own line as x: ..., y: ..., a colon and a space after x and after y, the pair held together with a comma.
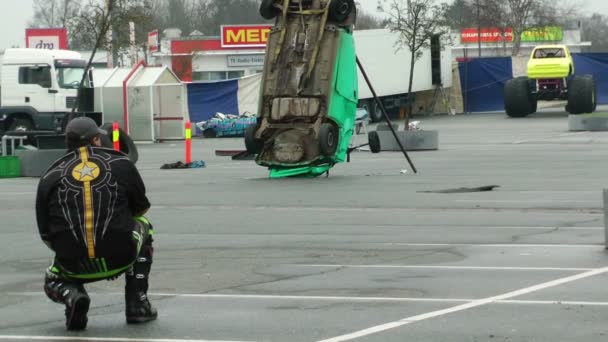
x: 550, y: 76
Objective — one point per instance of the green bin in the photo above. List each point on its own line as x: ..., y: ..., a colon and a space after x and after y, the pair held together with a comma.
x: 9, y: 167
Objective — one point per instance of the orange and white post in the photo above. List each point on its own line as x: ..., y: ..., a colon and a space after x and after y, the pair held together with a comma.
x: 116, y: 136
x: 188, y: 142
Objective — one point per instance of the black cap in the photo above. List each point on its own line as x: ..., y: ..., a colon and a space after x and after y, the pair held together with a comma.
x: 84, y: 127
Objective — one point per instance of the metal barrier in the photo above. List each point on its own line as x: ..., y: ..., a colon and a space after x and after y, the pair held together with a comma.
x: 13, y: 139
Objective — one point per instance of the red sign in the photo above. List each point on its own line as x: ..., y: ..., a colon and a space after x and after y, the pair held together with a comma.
x: 50, y: 39
x: 240, y: 36
x: 488, y: 35
x: 153, y: 41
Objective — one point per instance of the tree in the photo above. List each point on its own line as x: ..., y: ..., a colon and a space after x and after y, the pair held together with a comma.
x: 415, y: 22
x: 517, y: 15
x: 367, y: 21
x: 457, y: 15
x: 53, y: 13
x: 595, y: 30
x: 84, y: 19
x: 230, y: 12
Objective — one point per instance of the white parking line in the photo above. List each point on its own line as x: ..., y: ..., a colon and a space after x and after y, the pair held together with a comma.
x: 548, y: 200
x: 9, y: 194
x: 112, y: 339
x: 502, y: 245
x: 343, y: 298
x: 462, y: 307
x: 491, y: 268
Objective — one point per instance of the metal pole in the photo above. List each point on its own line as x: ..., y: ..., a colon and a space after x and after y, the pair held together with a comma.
x: 388, y: 120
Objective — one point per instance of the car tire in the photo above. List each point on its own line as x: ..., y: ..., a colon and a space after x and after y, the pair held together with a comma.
x: 582, y: 95
x: 374, y: 141
x: 209, y: 133
x: 267, y: 9
x: 127, y: 146
x: 252, y: 144
x: 339, y: 10
x: 375, y: 114
x: 328, y: 139
x: 519, y: 101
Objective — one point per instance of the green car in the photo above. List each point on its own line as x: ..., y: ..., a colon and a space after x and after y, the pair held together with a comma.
x: 309, y: 90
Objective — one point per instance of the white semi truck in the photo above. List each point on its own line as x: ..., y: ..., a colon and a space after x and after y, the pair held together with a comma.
x: 38, y: 88
x: 389, y: 69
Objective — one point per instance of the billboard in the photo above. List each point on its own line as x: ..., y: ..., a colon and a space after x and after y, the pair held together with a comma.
x: 495, y: 35
x: 488, y: 35
x: 49, y: 39
x: 245, y: 36
x: 543, y: 34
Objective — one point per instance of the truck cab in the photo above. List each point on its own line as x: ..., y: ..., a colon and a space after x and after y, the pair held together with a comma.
x: 38, y: 88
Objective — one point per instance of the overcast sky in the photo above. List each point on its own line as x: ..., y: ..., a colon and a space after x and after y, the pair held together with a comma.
x: 15, y: 14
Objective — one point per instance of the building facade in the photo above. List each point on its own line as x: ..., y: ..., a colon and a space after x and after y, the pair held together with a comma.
x: 238, y: 52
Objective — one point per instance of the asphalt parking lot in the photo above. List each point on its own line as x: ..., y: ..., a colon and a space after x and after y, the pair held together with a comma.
x: 367, y: 254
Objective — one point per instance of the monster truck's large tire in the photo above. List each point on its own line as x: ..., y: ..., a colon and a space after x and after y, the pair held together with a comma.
x: 267, y: 9
x: 339, y: 10
x: 581, y: 95
x: 519, y: 101
x: 253, y: 144
x: 594, y: 93
x: 127, y: 146
x: 374, y: 141
x: 328, y: 139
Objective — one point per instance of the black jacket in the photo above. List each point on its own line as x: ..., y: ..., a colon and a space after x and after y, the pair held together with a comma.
x: 87, y: 197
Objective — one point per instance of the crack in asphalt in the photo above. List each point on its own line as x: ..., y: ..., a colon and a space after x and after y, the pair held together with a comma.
x: 518, y: 237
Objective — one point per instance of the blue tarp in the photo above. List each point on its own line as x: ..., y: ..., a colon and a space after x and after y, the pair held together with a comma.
x: 595, y: 64
x: 206, y: 99
x: 483, y: 81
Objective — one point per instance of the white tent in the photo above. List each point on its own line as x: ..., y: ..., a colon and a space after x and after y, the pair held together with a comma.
x: 155, y: 103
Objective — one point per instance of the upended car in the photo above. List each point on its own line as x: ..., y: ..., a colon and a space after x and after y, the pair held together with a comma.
x: 551, y: 76
x: 309, y: 89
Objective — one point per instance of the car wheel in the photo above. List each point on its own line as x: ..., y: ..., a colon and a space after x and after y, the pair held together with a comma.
x: 374, y: 141
x: 339, y: 10
x: 252, y: 144
x: 127, y: 146
x: 376, y: 112
x: 328, y: 139
x: 267, y: 9
x: 209, y: 133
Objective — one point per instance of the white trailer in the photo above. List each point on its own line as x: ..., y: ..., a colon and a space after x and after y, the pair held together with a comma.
x: 388, y: 69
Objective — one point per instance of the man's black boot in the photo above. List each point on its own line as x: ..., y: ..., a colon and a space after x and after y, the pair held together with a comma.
x: 75, y: 298
x: 138, y: 307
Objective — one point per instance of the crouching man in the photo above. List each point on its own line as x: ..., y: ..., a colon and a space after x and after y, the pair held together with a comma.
x: 89, y: 208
